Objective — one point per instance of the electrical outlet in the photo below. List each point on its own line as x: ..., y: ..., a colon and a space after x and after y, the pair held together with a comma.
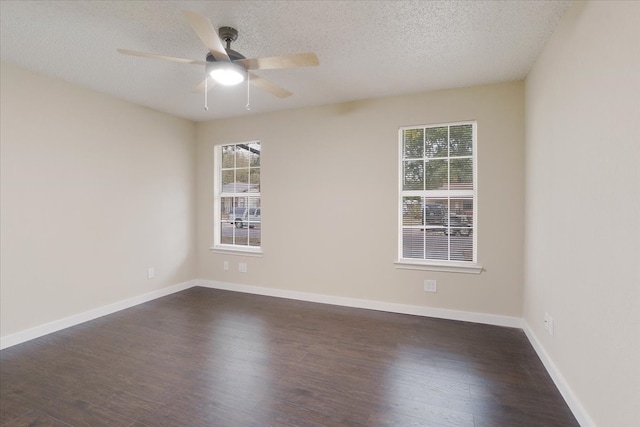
x: 242, y: 267
x: 430, y: 286
x: 548, y: 323
x: 225, y: 265
x: 151, y: 273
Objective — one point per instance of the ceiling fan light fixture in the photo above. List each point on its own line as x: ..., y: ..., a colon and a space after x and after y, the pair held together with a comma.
x: 226, y: 73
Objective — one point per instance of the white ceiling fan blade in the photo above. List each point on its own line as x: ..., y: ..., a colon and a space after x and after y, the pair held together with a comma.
x: 210, y: 83
x: 283, y: 61
x: 268, y: 86
x: 163, y: 57
x: 204, y: 29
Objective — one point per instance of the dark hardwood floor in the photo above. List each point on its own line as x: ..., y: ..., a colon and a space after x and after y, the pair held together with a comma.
x: 205, y: 357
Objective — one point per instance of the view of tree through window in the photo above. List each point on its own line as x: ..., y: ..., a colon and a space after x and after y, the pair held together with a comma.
x: 438, y: 195
x: 238, y: 211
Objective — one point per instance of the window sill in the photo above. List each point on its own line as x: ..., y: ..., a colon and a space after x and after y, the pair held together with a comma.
x: 449, y: 267
x: 252, y: 252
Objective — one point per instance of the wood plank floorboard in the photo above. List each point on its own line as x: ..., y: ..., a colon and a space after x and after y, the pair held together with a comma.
x: 206, y: 357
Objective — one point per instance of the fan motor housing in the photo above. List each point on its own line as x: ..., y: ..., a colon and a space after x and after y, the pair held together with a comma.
x: 233, y: 55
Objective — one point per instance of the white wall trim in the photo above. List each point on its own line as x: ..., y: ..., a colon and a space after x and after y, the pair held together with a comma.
x: 488, y: 319
x: 76, y: 319
x: 565, y: 390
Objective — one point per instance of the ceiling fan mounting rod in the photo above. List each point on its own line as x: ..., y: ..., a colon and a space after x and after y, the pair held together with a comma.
x: 228, y: 34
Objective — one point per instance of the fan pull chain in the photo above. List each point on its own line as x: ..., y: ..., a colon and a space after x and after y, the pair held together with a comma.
x: 248, y: 106
x: 206, y: 91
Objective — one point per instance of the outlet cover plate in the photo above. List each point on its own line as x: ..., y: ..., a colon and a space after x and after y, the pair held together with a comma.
x: 430, y: 286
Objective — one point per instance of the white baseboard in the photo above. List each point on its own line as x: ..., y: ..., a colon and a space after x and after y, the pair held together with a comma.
x: 488, y: 319
x: 574, y: 404
x: 47, y: 328
x: 56, y: 325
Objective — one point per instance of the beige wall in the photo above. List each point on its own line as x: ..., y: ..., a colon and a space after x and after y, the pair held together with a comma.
x: 329, y: 188
x: 583, y: 206
x: 93, y: 191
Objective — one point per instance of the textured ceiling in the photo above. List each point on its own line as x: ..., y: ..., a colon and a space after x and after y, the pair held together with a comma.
x: 366, y: 49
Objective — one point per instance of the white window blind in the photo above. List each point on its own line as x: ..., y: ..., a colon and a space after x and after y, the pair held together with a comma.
x: 438, y: 197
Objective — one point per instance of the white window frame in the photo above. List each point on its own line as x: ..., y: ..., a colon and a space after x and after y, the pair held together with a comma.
x: 217, y: 204
x: 433, y: 264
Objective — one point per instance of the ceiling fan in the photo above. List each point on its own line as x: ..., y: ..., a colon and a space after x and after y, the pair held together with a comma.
x: 225, y: 66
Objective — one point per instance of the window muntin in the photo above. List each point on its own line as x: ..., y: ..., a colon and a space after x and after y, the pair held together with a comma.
x: 438, y: 196
x: 237, y: 210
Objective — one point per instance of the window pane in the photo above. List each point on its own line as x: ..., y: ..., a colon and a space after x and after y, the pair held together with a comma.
x: 436, y: 174
x: 436, y: 142
x: 461, y: 174
x: 458, y: 220
x: 242, y: 180
x: 241, y: 236
x: 254, y: 150
x: 467, y: 209
x: 462, y: 206
x: 254, y: 221
x: 228, y: 181
x: 254, y: 180
x: 434, y: 213
x: 254, y: 215
x: 461, y: 140
x: 461, y: 248
x: 411, y: 211
x: 437, y: 246
x: 242, y: 156
x: 228, y: 156
x: 413, y: 175
x: 413, y: 243
x: 226, y: 207
x: 237, y: 211
x: 413, y: 144
x: 226, y: 233
x: 254, y: 236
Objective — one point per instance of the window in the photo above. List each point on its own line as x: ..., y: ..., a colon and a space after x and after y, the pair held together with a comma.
x: 438, y: 195
x: 237, y: 212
